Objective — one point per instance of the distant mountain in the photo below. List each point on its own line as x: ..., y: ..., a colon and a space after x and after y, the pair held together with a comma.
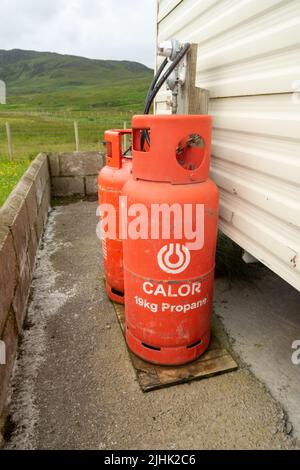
x: 27, y: 72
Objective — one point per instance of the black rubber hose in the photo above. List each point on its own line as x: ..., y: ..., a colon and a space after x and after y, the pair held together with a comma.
x: 145, y: 135
x: 164, y: 77
x: 156, y: 77
x: 157, y: 84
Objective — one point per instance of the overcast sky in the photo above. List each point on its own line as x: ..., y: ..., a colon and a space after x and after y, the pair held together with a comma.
x: 99, y: 29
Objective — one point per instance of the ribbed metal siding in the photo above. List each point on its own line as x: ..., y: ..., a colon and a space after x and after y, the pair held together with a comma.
x: 249, y: 59
x: 165, y: 7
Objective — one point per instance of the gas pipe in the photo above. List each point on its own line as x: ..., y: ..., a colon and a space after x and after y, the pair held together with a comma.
x: 111, y: 180
x: 169, y: 277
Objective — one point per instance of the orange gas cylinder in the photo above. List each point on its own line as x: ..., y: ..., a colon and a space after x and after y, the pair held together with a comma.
x: 111, y: 180
x: 170, y: 209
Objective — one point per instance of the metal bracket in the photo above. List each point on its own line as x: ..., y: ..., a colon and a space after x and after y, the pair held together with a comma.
x: 187, y: 98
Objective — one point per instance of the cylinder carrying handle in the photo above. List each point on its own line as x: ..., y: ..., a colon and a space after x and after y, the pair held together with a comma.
x: 113, y: 140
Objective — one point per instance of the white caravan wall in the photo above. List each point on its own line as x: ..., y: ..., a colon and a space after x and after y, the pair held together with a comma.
x: 249, y: 60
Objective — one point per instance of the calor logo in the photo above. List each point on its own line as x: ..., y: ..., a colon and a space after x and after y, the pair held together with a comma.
x: 173, y: 258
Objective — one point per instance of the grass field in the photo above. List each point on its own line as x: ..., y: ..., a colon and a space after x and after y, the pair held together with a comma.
x: 49, y: 132
x: 44, y: 122
x: 10, y: 173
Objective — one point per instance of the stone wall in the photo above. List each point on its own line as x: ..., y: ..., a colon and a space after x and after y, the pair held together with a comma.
x: 74, y: 173
x: 22, y: 220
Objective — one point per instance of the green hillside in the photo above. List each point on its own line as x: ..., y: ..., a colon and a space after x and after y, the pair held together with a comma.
x: 27, y: 72
x: 49, y: 81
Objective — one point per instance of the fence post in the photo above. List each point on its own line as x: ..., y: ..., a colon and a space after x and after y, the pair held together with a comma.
x: 76, y: 136
x: 125, y: 136
x: 9, y: 140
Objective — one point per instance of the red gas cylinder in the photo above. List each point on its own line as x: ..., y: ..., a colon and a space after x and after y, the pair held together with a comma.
x: 111, y: 180
x: 169, y: 263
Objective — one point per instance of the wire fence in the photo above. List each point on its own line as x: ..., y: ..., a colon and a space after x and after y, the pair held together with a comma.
x: 24, y: 138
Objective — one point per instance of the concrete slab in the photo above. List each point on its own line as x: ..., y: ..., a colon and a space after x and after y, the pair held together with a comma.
x: 263, y: 319
x: 74, y: 386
